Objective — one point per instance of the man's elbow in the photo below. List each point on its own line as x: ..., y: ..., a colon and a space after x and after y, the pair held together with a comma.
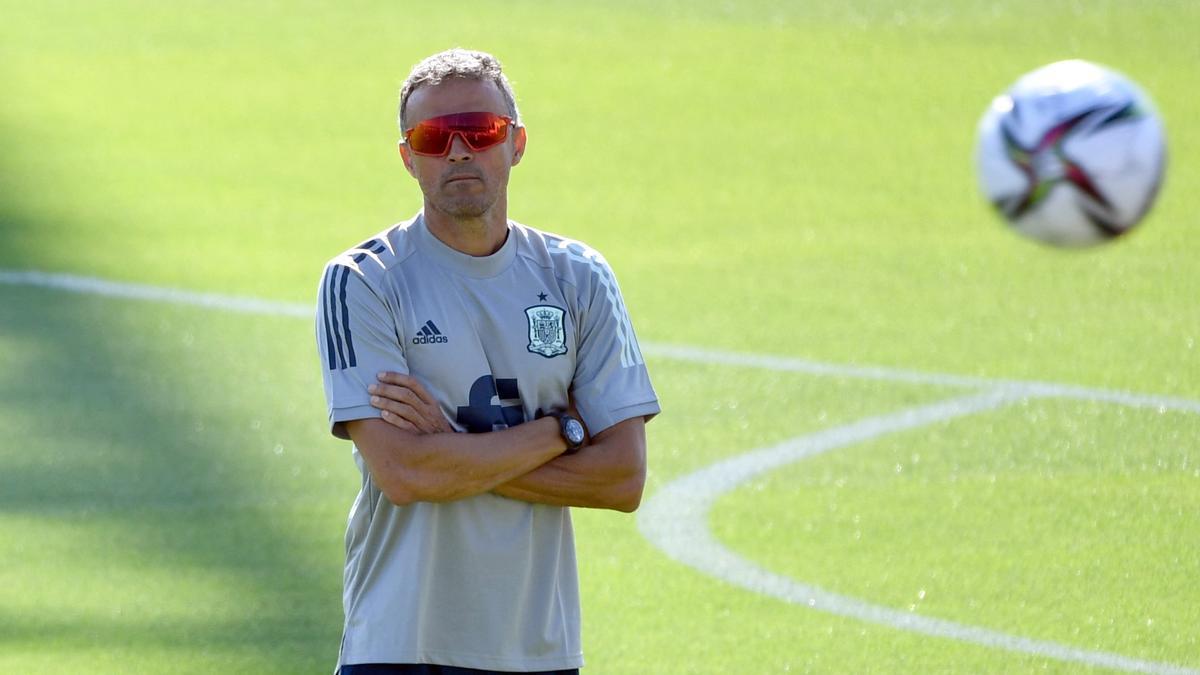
x: 407, y: 490
x: 395, y: 460
x: 404, y: 485
x: 628, y: 503
x: 630, y: 469
x: 628, y: 496
x: 400, y: 485
x: 399, y: 492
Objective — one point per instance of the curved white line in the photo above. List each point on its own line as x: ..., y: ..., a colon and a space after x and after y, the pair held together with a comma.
x: 675, y: 520
x: 675, y: 517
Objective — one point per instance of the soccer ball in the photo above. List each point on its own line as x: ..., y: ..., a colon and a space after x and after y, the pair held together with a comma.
x: 1072, y: 154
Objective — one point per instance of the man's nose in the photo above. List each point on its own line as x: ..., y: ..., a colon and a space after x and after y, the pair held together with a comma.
x: 459, y: 150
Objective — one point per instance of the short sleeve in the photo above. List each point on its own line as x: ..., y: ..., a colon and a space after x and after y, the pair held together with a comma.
x: 611, y: 383
x: 357, y: 339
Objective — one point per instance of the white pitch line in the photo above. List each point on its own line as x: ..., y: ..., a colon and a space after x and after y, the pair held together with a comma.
x: 234, y: 303
x: 1040, y: 389
x: 174, y: 296
x: 675, y: 518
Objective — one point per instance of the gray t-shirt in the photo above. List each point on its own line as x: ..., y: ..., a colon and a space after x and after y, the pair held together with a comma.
x: 484, y: 582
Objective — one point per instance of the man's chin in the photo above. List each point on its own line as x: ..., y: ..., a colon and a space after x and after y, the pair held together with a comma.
x: 464, y: 208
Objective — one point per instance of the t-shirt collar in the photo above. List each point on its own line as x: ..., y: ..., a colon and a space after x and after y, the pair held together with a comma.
x: 480, y: 267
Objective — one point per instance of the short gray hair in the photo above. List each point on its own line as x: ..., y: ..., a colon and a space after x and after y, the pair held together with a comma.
x: 464, y: 63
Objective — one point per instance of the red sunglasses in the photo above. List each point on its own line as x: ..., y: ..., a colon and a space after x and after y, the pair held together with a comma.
x: 480, y: 131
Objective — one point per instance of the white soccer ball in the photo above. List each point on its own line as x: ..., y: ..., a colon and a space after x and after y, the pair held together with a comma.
x: 1072, y: 154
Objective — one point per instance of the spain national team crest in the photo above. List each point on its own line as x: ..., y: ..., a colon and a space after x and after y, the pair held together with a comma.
x: 547, y: 336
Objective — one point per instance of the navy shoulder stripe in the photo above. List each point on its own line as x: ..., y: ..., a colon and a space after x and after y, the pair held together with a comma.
x: 330, y: 347
x: 339, y: 342
x: 346, y: 318
x: 374, y: 246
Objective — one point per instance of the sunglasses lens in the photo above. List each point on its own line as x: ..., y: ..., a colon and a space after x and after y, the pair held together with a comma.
x: 480, y: 131
x: 427, y: 139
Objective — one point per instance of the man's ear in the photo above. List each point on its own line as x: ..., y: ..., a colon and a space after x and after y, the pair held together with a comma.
x: 519, y: 145
x: 406, y: 157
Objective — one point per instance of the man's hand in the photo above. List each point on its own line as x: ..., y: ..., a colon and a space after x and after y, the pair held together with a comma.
x: 407, y: 405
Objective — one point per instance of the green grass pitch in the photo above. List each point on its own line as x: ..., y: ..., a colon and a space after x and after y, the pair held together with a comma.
x: 790, y: 179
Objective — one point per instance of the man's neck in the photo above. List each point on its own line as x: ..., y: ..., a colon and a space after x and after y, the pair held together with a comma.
x: 477, y: 236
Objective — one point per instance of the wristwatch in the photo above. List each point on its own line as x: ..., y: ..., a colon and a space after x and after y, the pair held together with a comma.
x: 571, y: 429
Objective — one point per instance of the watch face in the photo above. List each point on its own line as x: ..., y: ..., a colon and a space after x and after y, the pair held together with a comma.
x: 573, y: 430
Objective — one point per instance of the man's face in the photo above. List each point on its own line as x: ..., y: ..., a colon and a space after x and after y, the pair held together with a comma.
x: 465, y: 183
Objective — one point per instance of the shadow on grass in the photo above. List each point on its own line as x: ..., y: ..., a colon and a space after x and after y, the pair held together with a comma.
x: 157, y: 491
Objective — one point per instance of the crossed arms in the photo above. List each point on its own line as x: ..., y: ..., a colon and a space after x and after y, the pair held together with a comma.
x: 414, y: 455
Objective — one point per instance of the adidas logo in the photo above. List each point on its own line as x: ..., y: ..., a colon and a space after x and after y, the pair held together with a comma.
x: 429, y: 334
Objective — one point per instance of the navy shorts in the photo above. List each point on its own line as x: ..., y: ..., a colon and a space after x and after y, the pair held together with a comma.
x: 430, y: 669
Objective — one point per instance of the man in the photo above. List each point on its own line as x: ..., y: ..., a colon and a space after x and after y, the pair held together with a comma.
x: 459, y: 550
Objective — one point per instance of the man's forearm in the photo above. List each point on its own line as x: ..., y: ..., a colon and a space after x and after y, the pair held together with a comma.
x: 411, y: 467
x: 609, y: 473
